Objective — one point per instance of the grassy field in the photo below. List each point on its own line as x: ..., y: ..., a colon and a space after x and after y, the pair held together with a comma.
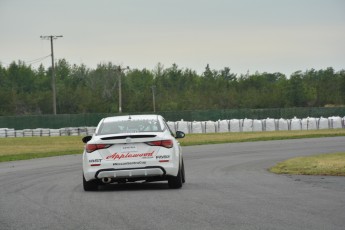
x: 22, y: 148
x: 332, y: 164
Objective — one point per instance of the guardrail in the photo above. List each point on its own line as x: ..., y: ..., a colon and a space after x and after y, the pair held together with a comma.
x: 220, y: 126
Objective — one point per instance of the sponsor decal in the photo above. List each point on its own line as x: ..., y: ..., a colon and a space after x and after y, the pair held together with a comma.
x: 130, y: 163
x: 163, y: 157
x: 119, y: 156
x: 95, y: 161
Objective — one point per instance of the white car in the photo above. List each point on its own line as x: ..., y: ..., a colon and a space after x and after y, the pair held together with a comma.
x: 132, y: 148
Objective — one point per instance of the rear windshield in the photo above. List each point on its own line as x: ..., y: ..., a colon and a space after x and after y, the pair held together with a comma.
x: 130, y: 126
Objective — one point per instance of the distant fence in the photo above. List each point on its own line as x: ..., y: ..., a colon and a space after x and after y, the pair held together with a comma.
x: 91, y: 119
x: 220, y: 126
x: 51, y: 121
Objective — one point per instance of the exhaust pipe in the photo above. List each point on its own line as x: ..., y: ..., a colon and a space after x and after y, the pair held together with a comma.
x: 106, y: 180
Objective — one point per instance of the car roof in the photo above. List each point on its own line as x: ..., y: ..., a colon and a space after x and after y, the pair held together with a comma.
x: 134, y: 117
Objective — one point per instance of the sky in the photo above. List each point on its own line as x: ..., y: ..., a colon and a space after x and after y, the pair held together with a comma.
x: 245, y: 35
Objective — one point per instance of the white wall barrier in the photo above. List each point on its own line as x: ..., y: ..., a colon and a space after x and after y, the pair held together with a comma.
x: 210, y: 126
x: 335, y: 122
x: 309, y: 123
x: 183, y: 126
x: 247, y: 125
x: 220, y: 126
x: 257, y: 126
x: 295, y: 124
x: 323, y: 123
x: 235, y: 125
x: 270, y: 124
x: 40, y: 132
x: 283, y: 124
x: 196, y: 127
x: 223, y: 126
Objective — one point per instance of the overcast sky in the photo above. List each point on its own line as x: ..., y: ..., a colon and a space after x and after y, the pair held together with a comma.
x: 244, y: 35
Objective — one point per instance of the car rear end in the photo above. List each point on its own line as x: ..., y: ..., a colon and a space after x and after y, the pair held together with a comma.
x: 144, y: 153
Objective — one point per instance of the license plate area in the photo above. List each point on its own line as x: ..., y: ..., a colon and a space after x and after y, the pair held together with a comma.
x: 129, y: 148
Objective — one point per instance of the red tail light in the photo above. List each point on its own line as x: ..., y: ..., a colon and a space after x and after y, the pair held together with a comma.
x: 93, y: 147
x: 164, y: 143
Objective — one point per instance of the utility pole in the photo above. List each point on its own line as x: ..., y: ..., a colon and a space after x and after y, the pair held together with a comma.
x: 119, y: 70
x: 153, y: 98
x: 51, y: 38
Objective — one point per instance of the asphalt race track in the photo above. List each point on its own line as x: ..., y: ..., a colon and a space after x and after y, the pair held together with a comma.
x: 228, y: 187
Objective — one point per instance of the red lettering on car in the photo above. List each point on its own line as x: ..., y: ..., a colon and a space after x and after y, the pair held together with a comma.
x: 119, y: 156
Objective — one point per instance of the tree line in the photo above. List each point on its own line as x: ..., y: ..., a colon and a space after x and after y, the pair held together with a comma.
x: 79, y: 89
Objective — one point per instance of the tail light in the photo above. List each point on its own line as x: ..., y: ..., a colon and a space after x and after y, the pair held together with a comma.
x: 93, y: 147
x: 164, y: 143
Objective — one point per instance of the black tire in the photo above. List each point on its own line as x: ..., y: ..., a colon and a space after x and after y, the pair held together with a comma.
x: 183, y: 173
x: 91, y: 185
x: 176, y: 181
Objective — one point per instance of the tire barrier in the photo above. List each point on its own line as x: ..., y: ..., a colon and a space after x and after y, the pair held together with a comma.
x: 41, y: 132
x: 254, y: 125
x: 220, y: 126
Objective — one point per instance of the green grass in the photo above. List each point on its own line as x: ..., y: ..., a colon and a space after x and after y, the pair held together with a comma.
x: 332, y: 164
x: 27, y: 156
x: 23, y: 148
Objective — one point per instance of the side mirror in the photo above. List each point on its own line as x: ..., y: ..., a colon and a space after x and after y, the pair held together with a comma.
x: 86, y: 139
x: 180, y: 134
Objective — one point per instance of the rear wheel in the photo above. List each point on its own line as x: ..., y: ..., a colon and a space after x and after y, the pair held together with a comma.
x: 183, y: 173
x: 91, y: 185
x: 176, y: 181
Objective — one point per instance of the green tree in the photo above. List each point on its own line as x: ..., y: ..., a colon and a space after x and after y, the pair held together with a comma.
x: 138, y: 91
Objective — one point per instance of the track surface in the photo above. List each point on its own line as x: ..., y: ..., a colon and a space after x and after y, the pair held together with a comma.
x: 228, y: 187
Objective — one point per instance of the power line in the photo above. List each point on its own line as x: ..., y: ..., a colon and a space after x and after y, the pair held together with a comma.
x: 37, y: 60
x: 29, y: 62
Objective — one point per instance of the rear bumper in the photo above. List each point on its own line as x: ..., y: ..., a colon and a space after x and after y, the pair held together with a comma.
x: 127, y: 173
x: 149, y: 169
